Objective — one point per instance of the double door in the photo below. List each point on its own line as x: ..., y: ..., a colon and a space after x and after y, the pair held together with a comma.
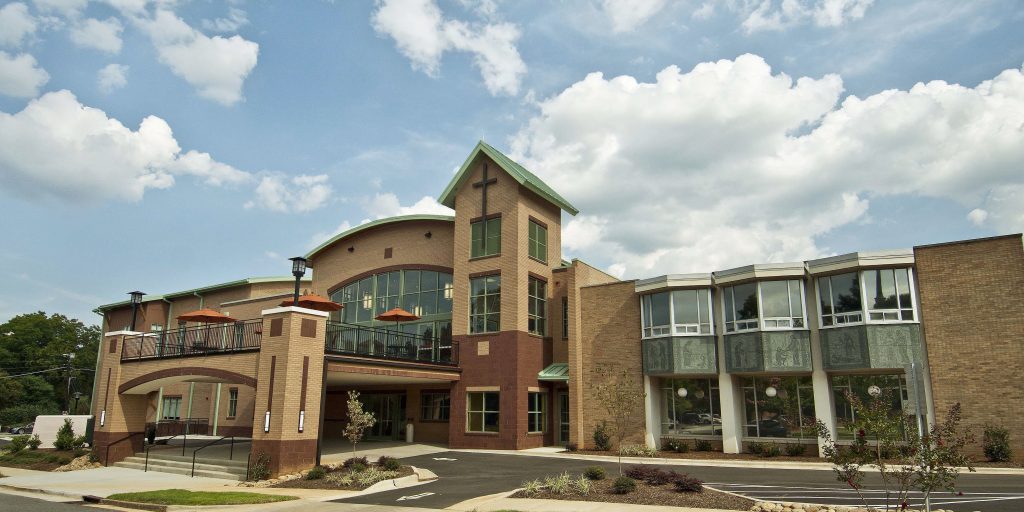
x: 389, y: 411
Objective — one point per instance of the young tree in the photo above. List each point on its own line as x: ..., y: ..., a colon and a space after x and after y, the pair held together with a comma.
x: 622, y: 395
x: 358, y: 420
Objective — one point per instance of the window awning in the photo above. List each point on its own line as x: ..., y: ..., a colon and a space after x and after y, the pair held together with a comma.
x: 558, y: 372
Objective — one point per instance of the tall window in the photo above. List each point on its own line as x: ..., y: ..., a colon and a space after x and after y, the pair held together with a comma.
x: 690, y: 407
x: 536, y: 414
x: 680, y: 313
x: 435, y: 405
x: 779, y: 407
x: 888, y: 296
x: 171, y: 408
x: 840, y: 299
x: 232, y: 402
x: 769, y: 305
x: 388, y: 288
x: 538, y: 242
x: 565, y: 318
x: 893, y: 388
x: 485, y: 238
x: 482, y: 411
x: 485, y: 304
x: 422, y: 292
x: 537, y: 314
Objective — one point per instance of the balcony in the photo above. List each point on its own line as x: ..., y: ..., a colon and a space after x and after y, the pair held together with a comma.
x: 383, y: 343
x: 194, y: 341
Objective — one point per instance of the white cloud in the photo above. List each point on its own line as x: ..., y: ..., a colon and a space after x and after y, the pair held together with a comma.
x: 768, y: 15
x: 628, y: 15
x: 323, y: 236
x: 61, y: 148
x: 17, y: 24
x: 66, y: 8
x: 423, y: 35
x: 235, y: 20
x: 729, y: 164
x: 21, y: 76
x: 833, y: 13
x: 216, y: 66
x: 977, y: 216
x: 704, y: 12
x: 111, y: 77
x: 388, y: 205
x: 104, y: 35
x: 303, y: 193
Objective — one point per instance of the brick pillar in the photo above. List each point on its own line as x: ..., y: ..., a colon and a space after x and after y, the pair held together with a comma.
x: 117, y: 415
x: 289, y: 382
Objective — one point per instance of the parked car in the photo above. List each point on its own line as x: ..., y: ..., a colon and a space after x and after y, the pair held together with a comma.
x: 24, y: 429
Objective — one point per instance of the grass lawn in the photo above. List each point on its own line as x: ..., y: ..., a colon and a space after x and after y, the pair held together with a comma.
x: 41, y: 460
x: 183, y: 497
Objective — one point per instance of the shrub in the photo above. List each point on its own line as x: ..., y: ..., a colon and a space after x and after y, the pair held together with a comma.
x: 996, y: 443
x: 594, y: 473
x: 702, y: 445
x: 623, y: 485
x: 34, y: 442
x: 373, y: 475
x: 581, y: 486
x: 389, y: 463
x: 533, y: 487
x: 651, y: 475
x: 17, y: 444
x: 571, y: 447
x: 561, y: 484
x: 317, y: 473
x: 637, y: 450
x: 65, y: 436
x: 79, y: 443
x: 353, y: 461
x: 602, y: 438
x: 260, y: 469
x: 771, y: 450
x: 755, y: 448
x: 93, y: 457
x: 357, y: 468
x: 675, y: 445
x: 687, y: 483
x: 795, y: 449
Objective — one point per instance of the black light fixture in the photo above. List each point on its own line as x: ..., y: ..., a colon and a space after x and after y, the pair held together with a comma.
x: 298, y: 270
x: 136, y: 300
x: 428, y: 234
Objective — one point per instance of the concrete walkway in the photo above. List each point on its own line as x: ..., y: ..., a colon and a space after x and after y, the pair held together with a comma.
x: 338, y: 450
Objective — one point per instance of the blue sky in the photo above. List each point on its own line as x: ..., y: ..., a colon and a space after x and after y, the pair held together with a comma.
x: 172, y: 144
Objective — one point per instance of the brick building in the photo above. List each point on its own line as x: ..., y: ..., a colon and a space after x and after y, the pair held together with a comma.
x: 511, y: 339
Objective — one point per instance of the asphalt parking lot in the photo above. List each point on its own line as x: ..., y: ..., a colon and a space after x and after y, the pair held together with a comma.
x: 468, y: 475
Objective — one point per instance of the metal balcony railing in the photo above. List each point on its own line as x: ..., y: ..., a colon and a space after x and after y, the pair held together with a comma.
x: 194, y: 341
x: 384, y: 343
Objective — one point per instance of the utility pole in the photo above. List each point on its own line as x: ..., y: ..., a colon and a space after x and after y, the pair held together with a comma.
x: 67, y: 372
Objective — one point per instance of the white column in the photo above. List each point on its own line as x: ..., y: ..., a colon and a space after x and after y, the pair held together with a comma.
x: 652, y: 413
x: 731, y: 396
x: 824, y: 410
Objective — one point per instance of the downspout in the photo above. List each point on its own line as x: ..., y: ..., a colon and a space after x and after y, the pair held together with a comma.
x: 216, y: 409
x: 99, y: 359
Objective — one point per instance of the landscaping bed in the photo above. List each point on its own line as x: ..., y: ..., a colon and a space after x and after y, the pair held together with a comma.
x: 42, y: 459
x: 183, y: 497
x: 643, y: 485
x: 354, y: 474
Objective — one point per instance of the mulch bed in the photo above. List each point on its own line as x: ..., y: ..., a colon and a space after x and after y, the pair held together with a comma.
x: 42, y: 459
x: 325, y: 484
x: 694, y: 455
x: 651, y: 495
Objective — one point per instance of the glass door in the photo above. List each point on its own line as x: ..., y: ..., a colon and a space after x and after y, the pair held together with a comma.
x: 389, y: 411
x: 563, y: 417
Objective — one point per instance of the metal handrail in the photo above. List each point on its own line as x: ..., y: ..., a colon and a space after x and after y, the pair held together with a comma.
x: 244, y: 335
x: 145, y: 468
x: 231, y: 455
x: 106, y: 456
x: 384, y: 343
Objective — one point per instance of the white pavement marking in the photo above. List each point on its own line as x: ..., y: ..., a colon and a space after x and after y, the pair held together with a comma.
x: 415, y: 496
x: 443, y: 458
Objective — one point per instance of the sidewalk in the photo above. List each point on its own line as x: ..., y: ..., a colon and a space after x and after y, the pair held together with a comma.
x: 498, y: 502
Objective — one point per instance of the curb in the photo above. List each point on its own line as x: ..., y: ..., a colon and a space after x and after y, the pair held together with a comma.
x: 418, y: 476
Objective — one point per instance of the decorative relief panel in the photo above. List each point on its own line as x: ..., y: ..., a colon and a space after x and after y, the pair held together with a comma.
x: 680, y: 355
x: 744, y: 352
x: 891, y: 346
x: 845, y: 348
x: 768, y: 351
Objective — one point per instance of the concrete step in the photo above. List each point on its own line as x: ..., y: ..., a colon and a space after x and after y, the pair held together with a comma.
x: 239, y: 460
x: 180, y: 471
x: 207, y: 466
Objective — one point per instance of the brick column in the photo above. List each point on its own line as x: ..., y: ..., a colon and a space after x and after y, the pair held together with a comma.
x: 289, y: 380
x: 117, y: 416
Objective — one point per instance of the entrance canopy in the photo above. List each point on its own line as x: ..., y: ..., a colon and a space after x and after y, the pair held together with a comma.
x: 358, y: 374
x: 558, y: 372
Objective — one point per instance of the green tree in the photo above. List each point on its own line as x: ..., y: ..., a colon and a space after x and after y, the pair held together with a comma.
x: 34, y: 342
x: 622, y: 395
x: 358, y: 420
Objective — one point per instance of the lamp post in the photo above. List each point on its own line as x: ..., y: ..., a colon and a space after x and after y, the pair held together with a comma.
x: 298, y: 270
x: 77, y: 395
x: 136, y: 300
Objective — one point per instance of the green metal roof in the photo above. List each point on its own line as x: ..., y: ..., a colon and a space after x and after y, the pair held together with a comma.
x: 375, y: 223
x: 204, y: 289
x: 518, y: 172
x: 555, y: 372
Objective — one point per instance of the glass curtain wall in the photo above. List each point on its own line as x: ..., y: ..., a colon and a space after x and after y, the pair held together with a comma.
x: 779, y: 407
x: 690, y: 407
x: 892, y: 388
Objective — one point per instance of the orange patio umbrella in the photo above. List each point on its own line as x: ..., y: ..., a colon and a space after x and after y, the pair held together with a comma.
x: 314, y: 302
x: 208, y: 316
x: 397, y: 315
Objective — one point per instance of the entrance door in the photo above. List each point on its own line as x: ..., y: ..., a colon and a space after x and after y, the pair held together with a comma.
x: 389, y: 411
x: 563, y: 417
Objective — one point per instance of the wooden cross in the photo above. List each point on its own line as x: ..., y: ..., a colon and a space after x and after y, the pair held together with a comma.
x: 483, y: 184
